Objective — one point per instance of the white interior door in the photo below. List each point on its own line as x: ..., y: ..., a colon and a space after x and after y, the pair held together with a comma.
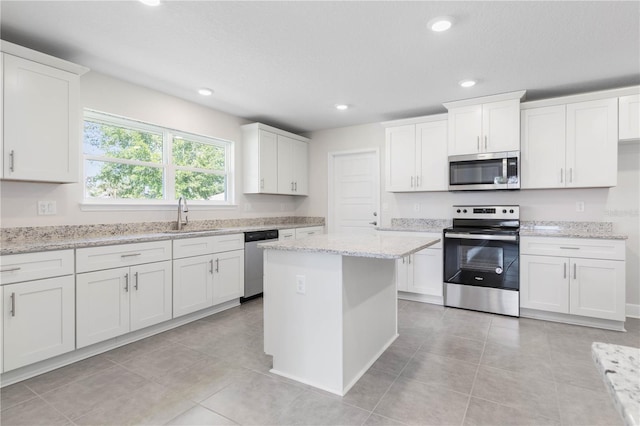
x: 354, y: 191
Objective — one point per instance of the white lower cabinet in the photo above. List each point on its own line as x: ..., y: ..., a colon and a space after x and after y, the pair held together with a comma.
x: 207, y: 271
x: 38, y: 320
x: 560, y: 275
x: 308, y: 231
x: 116, y: 301
x: 286, y: 234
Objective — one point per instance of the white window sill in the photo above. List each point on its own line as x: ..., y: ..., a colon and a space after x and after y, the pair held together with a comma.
x: 88, y: 206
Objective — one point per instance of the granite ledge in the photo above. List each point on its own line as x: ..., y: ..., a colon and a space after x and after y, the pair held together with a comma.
x: 598, y: 230
x: 74, y: 240
x: 374, y: 246
x: 620, y: 368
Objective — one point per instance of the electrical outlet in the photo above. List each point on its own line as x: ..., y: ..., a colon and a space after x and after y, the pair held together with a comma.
x: 579, y: 206
x: 247, y: 207
x: 301, y: 285
x: 46, y: 208
x: 283, y: 207
x: 416, y: 207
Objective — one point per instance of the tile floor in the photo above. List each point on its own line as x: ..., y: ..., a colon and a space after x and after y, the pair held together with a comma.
x: 448, y: 367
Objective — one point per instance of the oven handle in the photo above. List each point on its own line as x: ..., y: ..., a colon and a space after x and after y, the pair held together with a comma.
x: 482, y: 237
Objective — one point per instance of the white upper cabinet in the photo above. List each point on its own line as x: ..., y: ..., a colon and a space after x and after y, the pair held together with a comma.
x: 275, y: 161
x: 41, y: 116
x: 542, y: 155
x: 489, y: 124
x: 592, y: 143
x: 629, y: 117
x: 570, y: 145
x: 416, y: 156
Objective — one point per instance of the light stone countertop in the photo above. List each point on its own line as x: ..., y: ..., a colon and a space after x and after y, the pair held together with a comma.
x: 30, y: 246
x: 620, y: 367
x: 599, y: 230
x: 377, y: 246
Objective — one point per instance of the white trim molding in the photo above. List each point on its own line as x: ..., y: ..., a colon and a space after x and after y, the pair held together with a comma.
x: 633, y: 311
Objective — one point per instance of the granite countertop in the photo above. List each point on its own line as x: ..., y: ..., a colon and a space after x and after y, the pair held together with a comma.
x: 600, y: 230
x: 620, y: 367
x: 377, y: 246
x: 417, y: 225
x: 60, y: 242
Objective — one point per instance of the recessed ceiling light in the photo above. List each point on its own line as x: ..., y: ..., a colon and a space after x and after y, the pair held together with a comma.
x: 150, y: 2
x: 342, y: 107
x: 441, y: 23
x: 467, y: 83
x: 205, y: 92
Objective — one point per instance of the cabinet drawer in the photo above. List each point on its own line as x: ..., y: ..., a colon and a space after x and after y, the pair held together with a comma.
x: 591, y: 248
x: 286, y: 234
x: 308, y: 231
x: 107, y: 257
x: 228, y: 242
x: 33, y: 266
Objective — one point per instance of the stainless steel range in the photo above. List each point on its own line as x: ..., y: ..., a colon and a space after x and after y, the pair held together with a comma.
x: 482, y: 259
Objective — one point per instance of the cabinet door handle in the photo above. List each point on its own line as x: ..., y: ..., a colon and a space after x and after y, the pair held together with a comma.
x: 262, y: 183
x: 217, y: 265
x: 411, y: 181
x: 374, y: 223
x: 575, y: 273
x: 296, y: 187
x: 565, y: 270
x: 291, y: 185
x: 136, y: 281
x: 571, y: 174
x: 13, y: 304
x: 403, y: 260
x: 561, y: 175
x: 417, y: 181
x: 126, y: 282
x: 570, y: 248
x: 12, y: 155
x: 485, y: 143
x: 409, y: 257
x: 16, y: 268
x: 478, y: 143
x: 211, y: 266
x: 131, y: 255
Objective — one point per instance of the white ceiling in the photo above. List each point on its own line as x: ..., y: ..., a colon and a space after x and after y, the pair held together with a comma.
x: 288, y: 63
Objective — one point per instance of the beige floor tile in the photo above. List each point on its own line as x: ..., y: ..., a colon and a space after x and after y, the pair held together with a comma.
x: 378, y: 420
x: 141, y: 347
x: 532, y: 338
x: 14, y: 395
x: 442, y: 344
x: 412, y: 402
x: 532, y: 396
x: 253, y: 399
x: 163, y: 361
x: 486, y: 413
x: 200, y: 416
x: 68, y: 374
x: 33, y: 412
x: 368, y: 391
x: 90, y: 393
x: 447, y: 373
x: 580, y: 374
x: 151, y: 404
x: 580, y: 406
x: 467, y: 328
x: 529, y: 362
x: 394, y: 359
x: 201, y: 380
x: 311, y: 408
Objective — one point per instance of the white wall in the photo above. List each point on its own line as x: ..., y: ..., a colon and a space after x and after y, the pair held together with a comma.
x: 620, y: 205
x: 106, y: 94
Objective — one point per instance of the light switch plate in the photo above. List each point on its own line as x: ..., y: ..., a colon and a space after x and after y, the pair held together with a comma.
x: 46, y: 208
x: 301, y: 285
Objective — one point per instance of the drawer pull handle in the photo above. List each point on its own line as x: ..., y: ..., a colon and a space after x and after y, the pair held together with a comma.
x: 131, y: 255
x: 570, y: 248
x: 17, y: 268
x: 136, y: 281
x: 13, y: 304
x: 126, y: 282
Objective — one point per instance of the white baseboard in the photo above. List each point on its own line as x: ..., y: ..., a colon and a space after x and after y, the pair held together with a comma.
x: 633, y: 311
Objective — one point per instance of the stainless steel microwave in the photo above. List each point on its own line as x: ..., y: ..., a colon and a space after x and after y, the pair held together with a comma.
x: 486, y: 171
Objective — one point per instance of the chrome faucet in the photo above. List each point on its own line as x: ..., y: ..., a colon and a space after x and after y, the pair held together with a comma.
x: 182, y: 209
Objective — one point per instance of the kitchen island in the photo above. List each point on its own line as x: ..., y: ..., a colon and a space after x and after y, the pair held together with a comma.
x: 330, y: 305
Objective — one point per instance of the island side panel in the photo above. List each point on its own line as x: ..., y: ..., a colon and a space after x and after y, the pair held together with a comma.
x: 370, y: 313
x: 303, y: 332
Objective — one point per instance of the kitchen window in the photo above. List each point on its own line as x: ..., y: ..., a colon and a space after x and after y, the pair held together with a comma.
x: 131, y: 162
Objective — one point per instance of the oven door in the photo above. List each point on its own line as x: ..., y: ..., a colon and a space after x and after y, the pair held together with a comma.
x: 482, y: 259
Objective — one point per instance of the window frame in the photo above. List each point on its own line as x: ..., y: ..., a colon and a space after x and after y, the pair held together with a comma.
x: 169, y: 169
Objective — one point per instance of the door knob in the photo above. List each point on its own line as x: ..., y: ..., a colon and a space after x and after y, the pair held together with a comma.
x: 374, y: 223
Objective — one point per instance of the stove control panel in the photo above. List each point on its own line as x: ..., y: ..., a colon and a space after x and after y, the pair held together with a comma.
x: 486, y: 212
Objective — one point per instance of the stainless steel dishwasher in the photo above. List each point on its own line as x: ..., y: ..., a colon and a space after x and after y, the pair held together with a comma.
x: 254, y: 262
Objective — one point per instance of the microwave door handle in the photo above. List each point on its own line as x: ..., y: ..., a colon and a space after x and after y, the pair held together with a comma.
x: 505, y: 173
x: 481, y: 237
